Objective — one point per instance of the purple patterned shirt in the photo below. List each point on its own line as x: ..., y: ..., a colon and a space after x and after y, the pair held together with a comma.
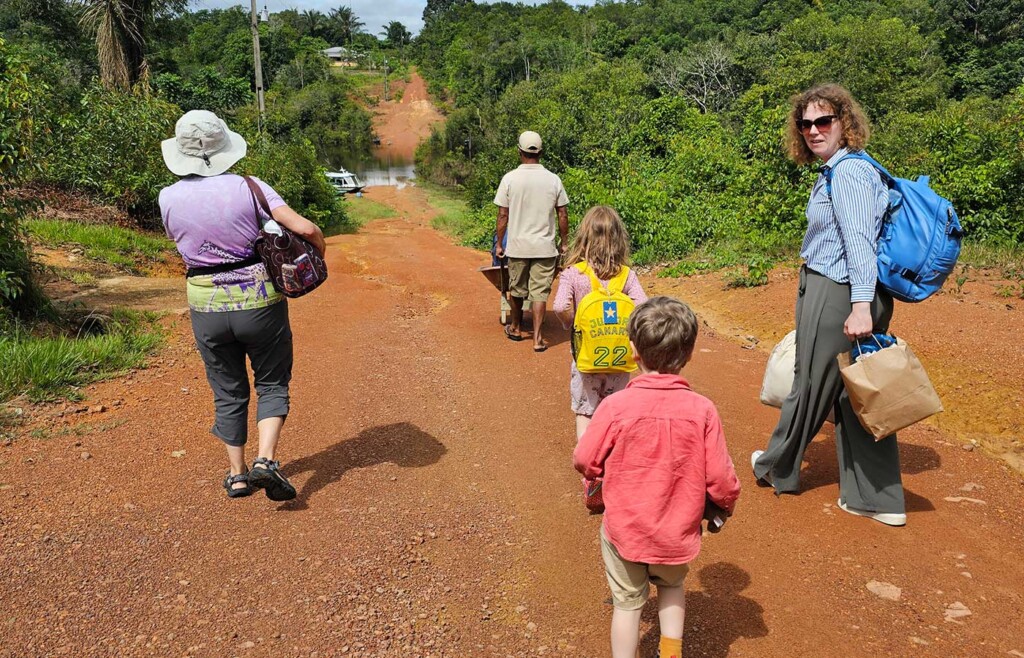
x: 212, y: 220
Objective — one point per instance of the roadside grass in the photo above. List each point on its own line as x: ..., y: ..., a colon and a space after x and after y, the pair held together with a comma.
x: 362, y: 210
x: 750, y: 261
x: 49, y: 367
x: 1008, y: 259
x: 77, y: 277
x: 120, y: 247
x: 455, y: 217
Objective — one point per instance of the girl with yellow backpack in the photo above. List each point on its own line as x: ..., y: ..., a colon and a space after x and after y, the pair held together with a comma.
x: 596, y: 295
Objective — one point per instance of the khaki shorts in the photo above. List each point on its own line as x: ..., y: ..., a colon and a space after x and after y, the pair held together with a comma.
x: 531, y: 278
x: 630, y: 582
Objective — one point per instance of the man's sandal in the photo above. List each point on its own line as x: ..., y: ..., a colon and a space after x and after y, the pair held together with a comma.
x: 231, y: 480
x: 266, y: 475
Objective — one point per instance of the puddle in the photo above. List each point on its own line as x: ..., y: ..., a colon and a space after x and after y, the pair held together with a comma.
x: 379, y: 167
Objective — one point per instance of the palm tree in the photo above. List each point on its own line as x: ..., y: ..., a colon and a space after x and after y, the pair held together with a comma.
x: 344, y: 24
x: 120, y: 39
x: 396, y: 34
x: 314, y: 22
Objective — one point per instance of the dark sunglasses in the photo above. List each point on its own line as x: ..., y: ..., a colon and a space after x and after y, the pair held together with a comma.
x: 821, y: 123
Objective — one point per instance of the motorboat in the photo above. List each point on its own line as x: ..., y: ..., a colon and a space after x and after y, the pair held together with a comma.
x: 344, y: 182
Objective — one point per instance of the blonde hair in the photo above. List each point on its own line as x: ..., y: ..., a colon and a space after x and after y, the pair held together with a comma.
x: 601, y: 240
x: 856, y: 127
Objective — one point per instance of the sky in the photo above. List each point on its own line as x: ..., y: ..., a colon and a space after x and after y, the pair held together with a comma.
x: 375, y: 13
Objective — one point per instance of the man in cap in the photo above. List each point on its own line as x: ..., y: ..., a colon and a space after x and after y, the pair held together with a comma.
x: 529, y: 199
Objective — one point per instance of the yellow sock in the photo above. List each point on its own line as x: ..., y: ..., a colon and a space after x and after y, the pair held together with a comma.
x: 670, y: 647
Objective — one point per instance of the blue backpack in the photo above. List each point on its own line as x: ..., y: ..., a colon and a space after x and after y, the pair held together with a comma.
x: 920, y: 237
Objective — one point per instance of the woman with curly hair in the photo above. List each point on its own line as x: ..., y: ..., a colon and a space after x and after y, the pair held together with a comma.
x: 838, y: 302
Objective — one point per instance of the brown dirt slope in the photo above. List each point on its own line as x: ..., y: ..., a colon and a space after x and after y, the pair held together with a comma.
x: 402, y: 124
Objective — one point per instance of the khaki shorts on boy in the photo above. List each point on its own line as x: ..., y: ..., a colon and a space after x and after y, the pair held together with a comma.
x: 531, y: 278
x: 630, y: 582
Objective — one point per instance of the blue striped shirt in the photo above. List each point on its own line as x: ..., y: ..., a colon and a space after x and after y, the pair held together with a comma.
x: 842, y: 232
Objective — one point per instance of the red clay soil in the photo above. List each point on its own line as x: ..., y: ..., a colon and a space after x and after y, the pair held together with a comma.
x: 401, y: 125
x: 967, y: 338
x: 438, y: 513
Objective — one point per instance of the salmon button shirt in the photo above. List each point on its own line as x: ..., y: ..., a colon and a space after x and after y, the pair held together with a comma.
x: 660, y: 448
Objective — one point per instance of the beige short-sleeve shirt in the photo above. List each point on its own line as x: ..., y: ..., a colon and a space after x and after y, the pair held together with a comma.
x: 531, y: 193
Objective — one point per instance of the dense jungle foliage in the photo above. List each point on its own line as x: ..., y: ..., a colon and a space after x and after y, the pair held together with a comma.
x: 673, y: 111
x: 89, y: 88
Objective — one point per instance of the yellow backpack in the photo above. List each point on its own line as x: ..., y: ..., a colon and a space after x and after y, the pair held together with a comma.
x: 600, y: 342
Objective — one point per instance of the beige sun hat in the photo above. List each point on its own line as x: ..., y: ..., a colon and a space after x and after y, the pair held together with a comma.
x: 529, y: 142
x: 202, y: 145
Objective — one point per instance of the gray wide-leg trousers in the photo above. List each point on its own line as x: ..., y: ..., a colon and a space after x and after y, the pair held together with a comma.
x: 869, y: 470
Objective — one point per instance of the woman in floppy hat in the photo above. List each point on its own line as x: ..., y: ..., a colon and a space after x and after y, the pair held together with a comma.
x: 235, y: 310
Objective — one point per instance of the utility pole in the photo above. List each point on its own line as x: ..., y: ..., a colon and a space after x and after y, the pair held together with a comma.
x: 385, y: 77
x: 258, y: 66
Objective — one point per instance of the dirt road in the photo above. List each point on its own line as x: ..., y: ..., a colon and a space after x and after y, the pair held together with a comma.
x: 438, y: 513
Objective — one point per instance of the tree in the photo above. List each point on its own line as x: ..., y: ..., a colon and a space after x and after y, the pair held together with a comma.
x: 314, y: 23
x: 120, y: 39
x: 705, y: 75
x: 396, y: 35
x: 437, y: 8
x: 308, y: 65
x: 344, y: 25
x: 19, y: 295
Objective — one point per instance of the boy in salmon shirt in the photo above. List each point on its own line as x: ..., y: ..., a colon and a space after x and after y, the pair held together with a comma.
x: 661, y: 451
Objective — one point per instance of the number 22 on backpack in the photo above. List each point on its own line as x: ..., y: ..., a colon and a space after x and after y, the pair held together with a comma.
x: 600, y: 340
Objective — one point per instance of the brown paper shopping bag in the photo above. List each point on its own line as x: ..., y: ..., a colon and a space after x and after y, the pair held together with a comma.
x: 888, y: 389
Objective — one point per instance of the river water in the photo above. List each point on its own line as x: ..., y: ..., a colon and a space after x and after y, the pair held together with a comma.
x: 379, y: 167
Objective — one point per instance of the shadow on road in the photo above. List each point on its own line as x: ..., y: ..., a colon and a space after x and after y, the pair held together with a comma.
x: 823, y: 466
x: 716, y: 616
x: 402, y: 444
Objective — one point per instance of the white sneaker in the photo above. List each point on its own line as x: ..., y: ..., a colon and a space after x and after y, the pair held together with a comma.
x: 762, y: 481
x: 887, y: 518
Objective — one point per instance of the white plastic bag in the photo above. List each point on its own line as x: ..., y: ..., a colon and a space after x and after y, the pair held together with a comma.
x: 780, y: 373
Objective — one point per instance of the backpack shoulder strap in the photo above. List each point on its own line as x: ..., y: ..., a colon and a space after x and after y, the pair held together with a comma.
x: 887, y: 178
x: 618, y: 282
x: 584, y: 268
x: 259, y: 200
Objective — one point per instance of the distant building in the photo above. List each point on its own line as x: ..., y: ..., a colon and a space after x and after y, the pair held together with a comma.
x: 341, y: 56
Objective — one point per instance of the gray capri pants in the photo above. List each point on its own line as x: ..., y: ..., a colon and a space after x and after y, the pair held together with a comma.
x: 869, y: 470
x: 224, y: 339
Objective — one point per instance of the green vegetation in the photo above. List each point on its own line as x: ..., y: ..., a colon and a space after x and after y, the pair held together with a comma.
x: 117, y: 246
x: 48, y: 367
x: 20, y: 297
x: 673, y: 111
x: 88, y: 89
x: 362, y: 210
x: 455, y: 217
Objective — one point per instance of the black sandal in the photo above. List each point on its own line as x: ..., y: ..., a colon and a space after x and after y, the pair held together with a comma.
x: 231, y: 480
x: 269, y: 478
